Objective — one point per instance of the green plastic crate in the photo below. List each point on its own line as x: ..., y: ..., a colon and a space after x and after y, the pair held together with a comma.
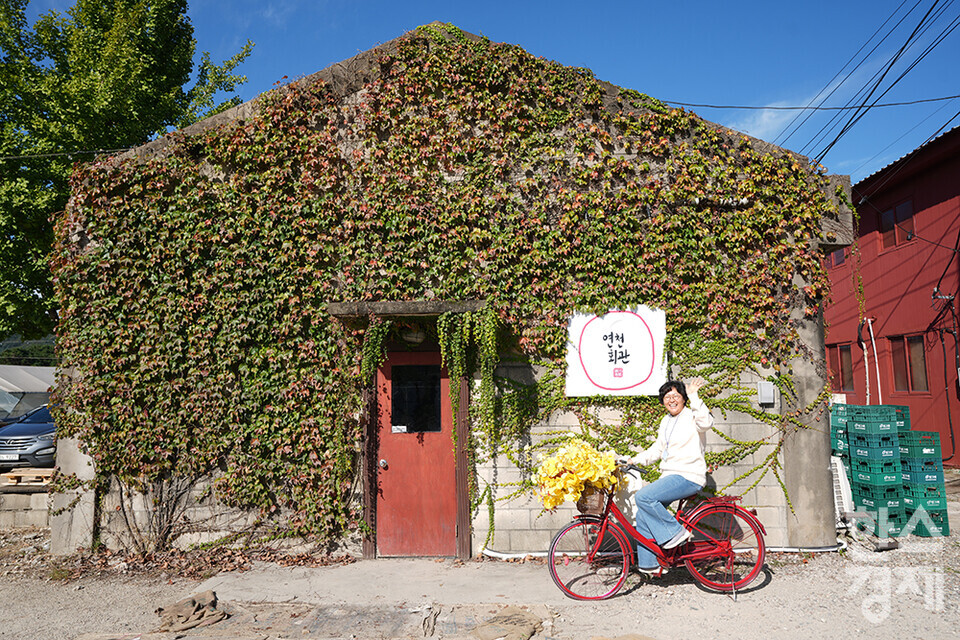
x: 877, y: 503
x: 843, y: 410
x: 875, y: 495
x: 882, y: 440
x: 903, y: 417
x: 875, y: 453
x: 923, y: 490
x: 934, y: 524
x: 878, y: 478
x: 876, y: 472
x: 875, y: 466
x: 862, y: 425
x: 922, y: 477
x: 920, y: 444
x: 877, y: 412
x: 918, y: 465
x: 839, y: 422
x: 912, y: 503
x: 840, y: 446
x: 883, y: 522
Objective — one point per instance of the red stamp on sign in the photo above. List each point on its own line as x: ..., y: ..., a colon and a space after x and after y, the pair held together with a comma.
x: 618, y: 372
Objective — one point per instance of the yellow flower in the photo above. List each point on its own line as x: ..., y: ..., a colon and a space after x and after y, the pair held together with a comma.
x: 575, y: 467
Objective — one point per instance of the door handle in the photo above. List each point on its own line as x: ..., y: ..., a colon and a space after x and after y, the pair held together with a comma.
x: 383, y: 463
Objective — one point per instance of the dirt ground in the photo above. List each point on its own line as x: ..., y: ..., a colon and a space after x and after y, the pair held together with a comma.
x: 912, y: 592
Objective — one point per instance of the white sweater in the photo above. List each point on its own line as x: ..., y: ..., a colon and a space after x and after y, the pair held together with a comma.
x: 681, y: 441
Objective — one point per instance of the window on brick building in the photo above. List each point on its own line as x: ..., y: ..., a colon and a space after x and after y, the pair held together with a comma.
x: 840, y: 359
x: 909, y: 363
x: 896, y: 225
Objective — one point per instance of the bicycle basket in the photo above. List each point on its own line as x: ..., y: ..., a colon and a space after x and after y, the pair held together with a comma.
x: 592, y: 504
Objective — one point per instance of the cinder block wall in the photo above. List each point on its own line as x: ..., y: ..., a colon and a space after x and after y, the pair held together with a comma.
x: 19, y: 510
x: 522, y: 527
x: 200, y: 520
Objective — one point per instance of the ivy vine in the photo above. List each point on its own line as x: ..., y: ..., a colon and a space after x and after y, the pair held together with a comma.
x: 193, y: 284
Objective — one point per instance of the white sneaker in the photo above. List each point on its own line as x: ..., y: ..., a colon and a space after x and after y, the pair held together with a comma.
x: 653, y: 571
x: 677, y: 540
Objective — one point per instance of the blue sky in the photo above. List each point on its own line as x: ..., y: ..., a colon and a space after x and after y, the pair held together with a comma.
x: 721, y: 53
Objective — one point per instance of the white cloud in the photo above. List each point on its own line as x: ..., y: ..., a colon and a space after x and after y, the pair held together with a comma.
x: 278, y: 12
x: 765, y: 124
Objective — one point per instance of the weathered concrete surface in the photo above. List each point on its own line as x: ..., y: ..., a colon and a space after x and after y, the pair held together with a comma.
x: 72, y: 512
x: 806, y: 452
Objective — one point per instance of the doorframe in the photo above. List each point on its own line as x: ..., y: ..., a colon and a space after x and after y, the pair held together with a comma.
x: 370, y: 473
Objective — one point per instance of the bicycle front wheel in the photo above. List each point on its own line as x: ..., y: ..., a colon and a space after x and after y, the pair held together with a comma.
x: 729, y: 549
x: 589, y: 561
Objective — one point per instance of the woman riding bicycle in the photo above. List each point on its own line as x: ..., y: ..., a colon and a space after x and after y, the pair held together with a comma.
x: 680, y: 444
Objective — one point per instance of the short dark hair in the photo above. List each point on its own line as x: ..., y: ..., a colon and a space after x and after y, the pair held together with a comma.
x: 674, y: 384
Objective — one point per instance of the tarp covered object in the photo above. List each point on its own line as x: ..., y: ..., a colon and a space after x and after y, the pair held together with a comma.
x: 18, y: 379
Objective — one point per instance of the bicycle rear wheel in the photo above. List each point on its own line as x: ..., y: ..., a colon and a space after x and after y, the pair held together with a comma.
x: 586, y: 564
x: 731, y: 547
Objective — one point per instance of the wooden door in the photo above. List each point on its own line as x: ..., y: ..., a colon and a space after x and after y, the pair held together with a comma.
x: 416, y: 492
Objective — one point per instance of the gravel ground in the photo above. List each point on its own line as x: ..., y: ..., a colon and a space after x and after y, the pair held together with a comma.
x: 910, y: 592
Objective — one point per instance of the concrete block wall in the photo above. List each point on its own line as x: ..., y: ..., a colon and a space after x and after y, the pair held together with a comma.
x: 522, y: 527
x: 21, y: 509
x: 201, y: 519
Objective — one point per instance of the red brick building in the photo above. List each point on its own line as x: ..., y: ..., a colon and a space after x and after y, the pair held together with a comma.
x: 892, y: 325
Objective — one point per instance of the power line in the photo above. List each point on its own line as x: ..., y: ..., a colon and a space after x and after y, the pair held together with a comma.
x: 924, y: 25
x: 876, y: 85
x: 832, y: 123
x: 786, y: 130
x: 808, y: 108
x: 902, y: 136
x: 903, y: 162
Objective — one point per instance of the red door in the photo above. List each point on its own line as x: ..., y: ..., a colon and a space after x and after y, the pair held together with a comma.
x: 416, y: 496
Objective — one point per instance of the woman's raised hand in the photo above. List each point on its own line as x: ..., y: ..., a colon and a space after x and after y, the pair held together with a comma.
x: 694, y: 385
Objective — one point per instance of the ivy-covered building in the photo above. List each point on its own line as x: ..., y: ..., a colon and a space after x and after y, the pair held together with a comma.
x: 343, y: 306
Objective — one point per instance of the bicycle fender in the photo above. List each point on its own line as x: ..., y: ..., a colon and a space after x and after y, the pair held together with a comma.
x: 731, y: 507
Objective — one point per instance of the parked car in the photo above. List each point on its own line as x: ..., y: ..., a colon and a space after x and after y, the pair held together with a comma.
x: 31, y: 441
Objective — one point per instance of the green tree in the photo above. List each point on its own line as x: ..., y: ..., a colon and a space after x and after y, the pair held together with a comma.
x: 107, y: 75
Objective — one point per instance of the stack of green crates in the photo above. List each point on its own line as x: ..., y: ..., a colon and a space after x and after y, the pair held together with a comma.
x: 839, y: 442
x: 923, y: 482
x: 875, y: 463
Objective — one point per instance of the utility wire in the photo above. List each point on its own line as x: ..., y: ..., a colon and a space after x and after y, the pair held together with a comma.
x: 786, y: 129
x: 902, y: 136
x: 876, y: 85
x: 905, y: 160
x: 877, y: 76
x: 922, y: 27
x: 831, y: 122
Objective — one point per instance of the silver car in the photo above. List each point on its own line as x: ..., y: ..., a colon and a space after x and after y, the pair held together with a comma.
x: 31, y: 441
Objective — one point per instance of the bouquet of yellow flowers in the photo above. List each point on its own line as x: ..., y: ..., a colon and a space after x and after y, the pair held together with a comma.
x: 576, y: 466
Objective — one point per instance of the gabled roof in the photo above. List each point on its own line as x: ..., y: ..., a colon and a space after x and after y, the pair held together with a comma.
x: 351, y: 75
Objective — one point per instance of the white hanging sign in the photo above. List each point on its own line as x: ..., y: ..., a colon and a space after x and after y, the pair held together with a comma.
x: 620, y: 353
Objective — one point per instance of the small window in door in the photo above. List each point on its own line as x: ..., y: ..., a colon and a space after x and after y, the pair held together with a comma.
x: 416, y: 398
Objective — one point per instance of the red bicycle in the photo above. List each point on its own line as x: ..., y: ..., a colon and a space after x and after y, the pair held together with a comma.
x: 590, y: 558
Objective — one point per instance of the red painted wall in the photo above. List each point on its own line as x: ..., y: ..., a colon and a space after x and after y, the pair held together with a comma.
x: 898, y: 284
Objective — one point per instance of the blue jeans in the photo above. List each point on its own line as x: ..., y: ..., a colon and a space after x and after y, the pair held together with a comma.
x: 653, y: 519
